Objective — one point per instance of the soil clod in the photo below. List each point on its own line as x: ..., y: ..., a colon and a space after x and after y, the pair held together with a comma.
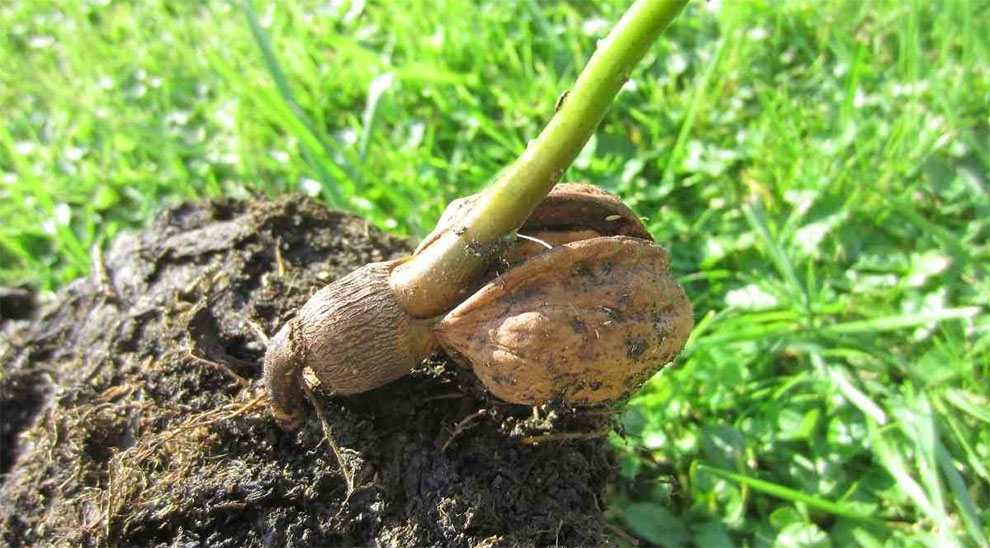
x: 139, y: 420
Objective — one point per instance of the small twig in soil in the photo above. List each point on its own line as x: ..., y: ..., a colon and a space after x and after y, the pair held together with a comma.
x: 108, y: 511
x: 258, y: 331
x: 102, y: 275
x: 623, y: 533
x: 565, y: 436
x: 117, y: 391
x: 462, y: 426
x: 56, y: 431
x: 328, y: 434
x: 191, y: 422
x: 221, y: 366
x: 239, y: 411
x: 445, y: 396
x: 279, y: 262
x: 231, y: 506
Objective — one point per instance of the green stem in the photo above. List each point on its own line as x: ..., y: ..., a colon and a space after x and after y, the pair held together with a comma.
x: 445, y: 272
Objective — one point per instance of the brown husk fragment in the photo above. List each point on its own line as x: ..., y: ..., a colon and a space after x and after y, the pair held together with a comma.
x: 581, y: 324
x: 140, y: 422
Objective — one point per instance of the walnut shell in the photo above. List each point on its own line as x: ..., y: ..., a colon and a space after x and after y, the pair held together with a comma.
x: 584, y: 323
x: 568, y: 206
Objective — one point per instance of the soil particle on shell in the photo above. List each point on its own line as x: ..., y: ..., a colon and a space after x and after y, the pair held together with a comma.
x: 132, y: 410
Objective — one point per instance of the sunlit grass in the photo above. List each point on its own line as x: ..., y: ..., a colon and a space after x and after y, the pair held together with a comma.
x: 818, y: 171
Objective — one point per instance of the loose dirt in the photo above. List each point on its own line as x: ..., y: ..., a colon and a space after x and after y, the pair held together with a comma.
x: 132, y: 410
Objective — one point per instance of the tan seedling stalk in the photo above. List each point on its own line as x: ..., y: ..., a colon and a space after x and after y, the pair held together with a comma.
x: 441, y: 277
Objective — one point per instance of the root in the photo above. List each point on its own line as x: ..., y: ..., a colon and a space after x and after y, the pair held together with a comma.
x: 328, y: 434
x: 535, y: 240
x: 565, y: 436
x: 462, y: 426
x: 241, y: 381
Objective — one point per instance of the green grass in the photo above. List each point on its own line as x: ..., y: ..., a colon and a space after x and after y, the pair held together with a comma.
x: 819, y: 171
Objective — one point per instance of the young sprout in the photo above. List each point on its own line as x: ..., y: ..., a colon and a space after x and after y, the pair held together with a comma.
x: 375, y: 324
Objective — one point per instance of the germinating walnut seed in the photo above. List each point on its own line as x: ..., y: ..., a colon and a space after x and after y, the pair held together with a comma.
x: 585, y: 321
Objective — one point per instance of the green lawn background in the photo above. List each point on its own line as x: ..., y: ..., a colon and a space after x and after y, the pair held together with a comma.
x: 818, y: 170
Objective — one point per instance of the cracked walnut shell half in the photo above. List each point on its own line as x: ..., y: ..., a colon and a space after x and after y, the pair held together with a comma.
x: 584, y: 323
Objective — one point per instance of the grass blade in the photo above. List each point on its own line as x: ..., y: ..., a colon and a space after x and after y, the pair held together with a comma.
x: 963, y: 502
x: 285, y: 91
x: 854, y: 395
x: 962, y: 400
x: 754, y: 214
x: 892, y: 460
x: 919, y: 425
x: 901, y: 321
x: 699, y: 95
x: 792, y: 495
x: 376, y: 90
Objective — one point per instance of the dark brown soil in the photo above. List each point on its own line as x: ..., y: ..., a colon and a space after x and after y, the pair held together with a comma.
x: 133, y: 411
